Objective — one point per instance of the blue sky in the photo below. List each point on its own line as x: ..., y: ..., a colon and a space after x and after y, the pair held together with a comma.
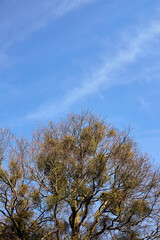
x: 62, y: 56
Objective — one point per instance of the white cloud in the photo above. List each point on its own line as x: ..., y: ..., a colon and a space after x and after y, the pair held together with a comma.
x: 104, y: 76
x: 144, y: 104
x: 20, y: 18
x: 68, y: 5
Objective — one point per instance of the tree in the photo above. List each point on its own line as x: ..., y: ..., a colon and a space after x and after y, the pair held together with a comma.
x: 93, y: 182
x: 19, y: 218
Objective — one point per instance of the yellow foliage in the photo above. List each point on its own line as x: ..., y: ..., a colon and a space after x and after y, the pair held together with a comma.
x: 111, y: 133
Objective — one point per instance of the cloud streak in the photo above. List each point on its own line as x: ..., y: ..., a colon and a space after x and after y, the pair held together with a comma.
x: 67, y: 6
x: 104, y: 77
x: 21, y: 18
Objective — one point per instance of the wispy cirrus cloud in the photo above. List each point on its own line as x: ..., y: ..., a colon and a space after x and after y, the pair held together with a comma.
x: 104, y: 76
x: 67, y: 5
x: 20, y: 18
x: 144, y: 104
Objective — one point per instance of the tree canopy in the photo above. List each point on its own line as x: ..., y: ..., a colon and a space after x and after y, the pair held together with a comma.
x: 80, y: 179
